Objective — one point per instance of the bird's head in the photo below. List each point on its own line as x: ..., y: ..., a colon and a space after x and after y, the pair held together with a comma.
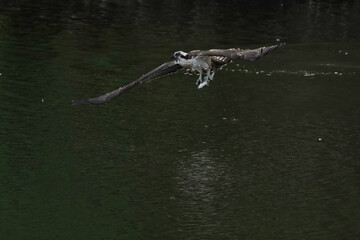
x: 179, y: 54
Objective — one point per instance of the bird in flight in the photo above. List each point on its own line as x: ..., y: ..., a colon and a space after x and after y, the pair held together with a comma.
x: 203, y: 63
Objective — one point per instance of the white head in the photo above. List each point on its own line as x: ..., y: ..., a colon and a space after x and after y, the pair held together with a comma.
x: 180, y: 54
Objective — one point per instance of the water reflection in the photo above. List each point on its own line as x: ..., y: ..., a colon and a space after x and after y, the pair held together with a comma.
x: 202, y: 183
x: 292, y: 21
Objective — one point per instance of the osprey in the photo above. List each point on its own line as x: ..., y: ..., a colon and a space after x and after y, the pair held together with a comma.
x: 199, y: 62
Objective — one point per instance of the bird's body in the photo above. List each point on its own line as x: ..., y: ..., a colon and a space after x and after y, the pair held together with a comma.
x: 196, y: 61
x: 198, y: 65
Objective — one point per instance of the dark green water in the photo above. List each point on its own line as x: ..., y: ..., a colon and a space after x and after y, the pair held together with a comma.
x: 269, y: 151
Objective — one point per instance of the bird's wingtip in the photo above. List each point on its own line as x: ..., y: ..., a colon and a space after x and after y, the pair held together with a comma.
x: 279, y: 43
x: 80, y: 102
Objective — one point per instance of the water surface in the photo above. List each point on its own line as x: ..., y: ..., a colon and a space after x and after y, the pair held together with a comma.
x: 269, y: 151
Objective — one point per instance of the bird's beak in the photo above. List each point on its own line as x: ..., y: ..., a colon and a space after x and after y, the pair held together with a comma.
x: 173, y: 56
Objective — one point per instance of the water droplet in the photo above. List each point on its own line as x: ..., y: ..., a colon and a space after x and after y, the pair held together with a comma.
x: 306, y: 74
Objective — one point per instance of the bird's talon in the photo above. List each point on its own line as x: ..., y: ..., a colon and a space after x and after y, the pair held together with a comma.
x: 205, y: 83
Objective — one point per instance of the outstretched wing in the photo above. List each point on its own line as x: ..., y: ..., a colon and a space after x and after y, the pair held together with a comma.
x: 224, y: 56
x: 162, y: 70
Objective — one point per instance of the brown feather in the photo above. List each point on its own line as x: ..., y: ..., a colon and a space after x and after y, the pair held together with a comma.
x: 162, y: 70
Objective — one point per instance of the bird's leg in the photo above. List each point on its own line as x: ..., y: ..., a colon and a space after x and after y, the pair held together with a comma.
x: 211, y: 77
x: 207, y: 79
x: 199, y: 80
